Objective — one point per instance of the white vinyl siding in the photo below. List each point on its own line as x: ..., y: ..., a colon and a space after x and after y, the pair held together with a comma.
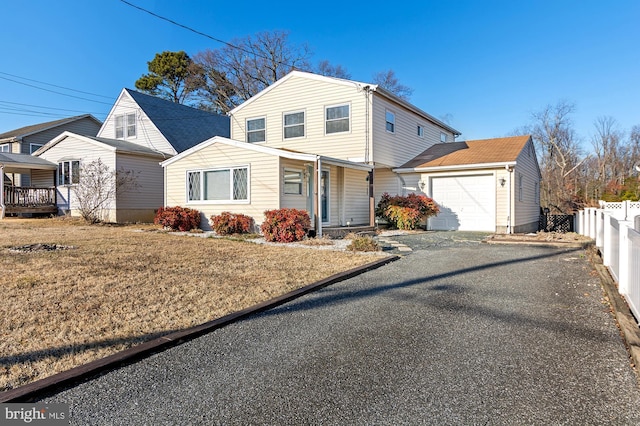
x: 83, y: 126
x: 527, y: 209
x: 395, y: 149
x: 138, y: 204
x: 356, y: 197
x: 293, y: 125
x: 263, y: 180
x: 256, y: 130
x: 312, y: 97
x: 147, y: 134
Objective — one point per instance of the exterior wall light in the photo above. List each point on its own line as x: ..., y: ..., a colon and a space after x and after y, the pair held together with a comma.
x: 502, y: 181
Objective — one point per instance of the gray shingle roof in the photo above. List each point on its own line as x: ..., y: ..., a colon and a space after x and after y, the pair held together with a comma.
x: 17, y: 134
x: 183, y: 126
x: 25, y: 160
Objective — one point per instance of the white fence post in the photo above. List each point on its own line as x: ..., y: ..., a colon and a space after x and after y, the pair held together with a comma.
x: 623, y: 257
x: 605, y: 241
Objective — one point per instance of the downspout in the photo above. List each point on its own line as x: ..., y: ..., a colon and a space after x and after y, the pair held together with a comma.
x: 319, y: 198
x: 2, y: 206
x: 509, y: 201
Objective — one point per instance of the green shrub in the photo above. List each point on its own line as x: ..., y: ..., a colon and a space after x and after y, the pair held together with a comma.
x: 406, y: 212
x: 363, y: 243
x: 285, y: 225
x: 177, y: 218
x: 227, y: 223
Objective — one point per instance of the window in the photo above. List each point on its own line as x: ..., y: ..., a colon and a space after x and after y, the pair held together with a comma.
x: 256, y: 130
x: 294, y: 125
x: 5, y: 147
x: 292, y: 182
x: 34, y: 147
x: 420, y: 131
x: 230, y: 185
x: 443, y: 137
x: 520, y: 187
x: 125, y: 123
x: 337, y: 119
x: 69, y: 172
x: 390, y: 122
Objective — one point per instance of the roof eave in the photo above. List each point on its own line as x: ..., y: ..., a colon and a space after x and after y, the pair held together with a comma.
x: 476, y: 166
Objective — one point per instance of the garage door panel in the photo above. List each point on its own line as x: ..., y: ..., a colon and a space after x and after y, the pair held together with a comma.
x: 467, y: 203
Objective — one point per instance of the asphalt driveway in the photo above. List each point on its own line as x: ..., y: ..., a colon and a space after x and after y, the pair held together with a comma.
x: 454, y: 333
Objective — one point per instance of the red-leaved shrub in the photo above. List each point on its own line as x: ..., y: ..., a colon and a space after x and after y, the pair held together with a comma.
x: 285, y: 225
x: 227, y: 223
x: 406, y: 212
x: 177, y: 218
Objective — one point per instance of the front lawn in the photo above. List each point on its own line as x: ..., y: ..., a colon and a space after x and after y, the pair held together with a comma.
x: 107, y: 288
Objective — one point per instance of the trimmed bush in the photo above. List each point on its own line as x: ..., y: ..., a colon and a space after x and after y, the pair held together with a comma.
x: 406, y: 212
x: 285, y: 225
x: 227, y: 223
x: 177, y: 218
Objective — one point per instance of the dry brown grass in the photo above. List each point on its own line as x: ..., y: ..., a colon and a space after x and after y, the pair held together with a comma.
x: 122, y: 285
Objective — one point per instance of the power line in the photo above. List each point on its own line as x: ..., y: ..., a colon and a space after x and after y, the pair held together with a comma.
x: 50, y: 108
x: 233, y: 46
x: 53, y: 85
x: 53, y: 91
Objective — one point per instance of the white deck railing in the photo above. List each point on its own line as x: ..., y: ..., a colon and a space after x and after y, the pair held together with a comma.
x: 617, y: 234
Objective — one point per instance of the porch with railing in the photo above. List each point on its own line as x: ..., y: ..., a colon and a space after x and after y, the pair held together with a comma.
x: 29, y: 199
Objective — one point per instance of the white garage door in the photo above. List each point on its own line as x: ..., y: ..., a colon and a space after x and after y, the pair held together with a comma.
x: 467, y: 203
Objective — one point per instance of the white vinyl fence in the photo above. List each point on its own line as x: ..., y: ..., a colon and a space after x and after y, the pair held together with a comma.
x: 616, y: 230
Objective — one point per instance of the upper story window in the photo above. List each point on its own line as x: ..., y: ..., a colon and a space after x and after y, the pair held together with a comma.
x: 222, y: 185
x: 256, y: 130
x: 5, y: 147
x: 443, y: 137
x: 337, y: 119
x: 69, y: 172
x: 420, y: 131
x: 125, y: 124
x: 390, y: 122
x: 293, y: 125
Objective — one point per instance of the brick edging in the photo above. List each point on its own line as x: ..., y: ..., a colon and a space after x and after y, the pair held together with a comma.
x: 59, y: 381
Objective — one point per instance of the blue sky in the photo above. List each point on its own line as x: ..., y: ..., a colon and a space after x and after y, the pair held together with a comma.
x: 485, y: 65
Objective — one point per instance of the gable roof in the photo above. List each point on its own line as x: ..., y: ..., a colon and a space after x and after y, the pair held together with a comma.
x: 182, y: 126
x: 17, y: 134
x: 285, y: 153
x: 364, y: 86
x: 114, y: 145
x: 496, y: 151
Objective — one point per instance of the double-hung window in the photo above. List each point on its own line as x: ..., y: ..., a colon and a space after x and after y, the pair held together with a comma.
x: 256, y: 130
x: 221, y: 185
x: 390, y: 119
x: 69, y: 172
x: 292, y: 182
x: 125, y: 125
x: 337, y: 119
x: 420, y: 131
x: 293, y: 125
x: 5, y: 147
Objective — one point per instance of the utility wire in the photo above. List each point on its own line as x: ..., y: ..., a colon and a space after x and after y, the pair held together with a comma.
x: 233, y: 46
x: 53, y: 85
x: 53, y: 91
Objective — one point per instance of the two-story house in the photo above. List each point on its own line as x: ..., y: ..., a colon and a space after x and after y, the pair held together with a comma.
x: 311, y: 142
x: 333, y: 146
x: 139, y: 132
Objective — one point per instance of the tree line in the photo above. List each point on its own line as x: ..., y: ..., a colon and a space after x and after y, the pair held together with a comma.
x: 219, y: 80
x: 574, y: 178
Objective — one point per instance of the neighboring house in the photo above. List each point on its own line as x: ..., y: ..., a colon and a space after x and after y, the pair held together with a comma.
x: 481, y: 185
x: 26, y: 140
x: 139, y: 132
x: 349, y: 136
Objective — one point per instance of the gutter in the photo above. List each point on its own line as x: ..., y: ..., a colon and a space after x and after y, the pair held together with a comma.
x: 454, y: 167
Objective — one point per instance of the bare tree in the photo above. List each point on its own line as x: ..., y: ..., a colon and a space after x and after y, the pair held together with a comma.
x: 325, y: 68
x: 388, y: 80
x: 608, y: 150
x: 558, y: 154
x: 97, y: 188
x: 238, y: 71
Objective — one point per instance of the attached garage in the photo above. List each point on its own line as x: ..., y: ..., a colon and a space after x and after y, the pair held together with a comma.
x: 490, y: 185
x: 467, y: 203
